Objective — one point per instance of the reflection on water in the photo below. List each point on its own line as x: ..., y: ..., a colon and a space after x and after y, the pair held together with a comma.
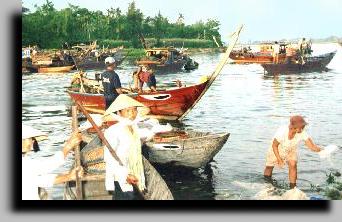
x: 242, y: 101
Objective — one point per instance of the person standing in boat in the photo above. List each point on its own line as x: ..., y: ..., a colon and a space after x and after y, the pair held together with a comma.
x: 124, y: 138
x: 283, y: 149
x: 36, y: 170
x: 143, y: 75
x: 276, y: 50
x: 111, y: 82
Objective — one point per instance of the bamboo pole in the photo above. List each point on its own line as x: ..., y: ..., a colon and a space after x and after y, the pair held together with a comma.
x: 79, y: 194
x: 106, y: 143
x: 232, y: 42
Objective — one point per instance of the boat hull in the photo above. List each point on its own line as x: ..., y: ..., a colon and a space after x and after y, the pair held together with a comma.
x: 193, y: 152
x: 168, y: 104
x: 317, y: 63
x: 57, y: 69
x: 164, y: 68
x: 95, y: 189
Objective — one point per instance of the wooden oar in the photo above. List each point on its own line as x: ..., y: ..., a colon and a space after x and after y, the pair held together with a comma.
x: 106, y: 143
x: 79, y: 194
x: 233, y: 40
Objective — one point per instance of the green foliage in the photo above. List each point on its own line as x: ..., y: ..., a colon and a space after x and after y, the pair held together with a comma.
x: 50, y: 28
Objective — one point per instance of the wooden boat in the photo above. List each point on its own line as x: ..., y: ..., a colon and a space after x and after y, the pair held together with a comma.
x: 168, y: 104
x: 192, y: 149
x: 94, y: 181
x: 55, y: 69
x: 164, y: 60
x: 246, y: 56
x: 249, y: 57
x: 312, y: 64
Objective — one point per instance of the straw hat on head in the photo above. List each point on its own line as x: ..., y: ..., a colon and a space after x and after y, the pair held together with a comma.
x: 122, y: 102
x: 30, y: 132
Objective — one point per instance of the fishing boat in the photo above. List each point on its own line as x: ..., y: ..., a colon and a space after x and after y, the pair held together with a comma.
x: 169, y: 104
x: 310, y: 64
x: 265, y: 55
x: 55, y: 69
x: 187, y: 149
x: 166, y: 60
x: 94, y: 181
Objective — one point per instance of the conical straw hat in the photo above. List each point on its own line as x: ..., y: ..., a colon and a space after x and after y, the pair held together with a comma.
x: 122, y: 102
x: 30, y: 132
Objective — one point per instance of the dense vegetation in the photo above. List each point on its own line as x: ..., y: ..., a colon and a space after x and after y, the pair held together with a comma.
x: 50, y: 28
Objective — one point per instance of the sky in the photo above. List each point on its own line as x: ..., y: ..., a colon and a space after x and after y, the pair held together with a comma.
x: 262, y: 19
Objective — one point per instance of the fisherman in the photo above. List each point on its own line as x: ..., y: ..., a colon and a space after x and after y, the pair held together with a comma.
x: 125, y: 140
x: 284, y: 148
x: 276, y: 50
x: 36, y: 171
x: 143, y: 75
x: 111, y: 82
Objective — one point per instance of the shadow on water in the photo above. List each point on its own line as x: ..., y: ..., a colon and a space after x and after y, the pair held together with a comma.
x: 188, y: 184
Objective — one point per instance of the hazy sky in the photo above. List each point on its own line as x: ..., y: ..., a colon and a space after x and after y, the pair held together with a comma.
x: 263, y: 19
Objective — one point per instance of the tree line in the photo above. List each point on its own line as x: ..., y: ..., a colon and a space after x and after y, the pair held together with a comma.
x: 50, y: 28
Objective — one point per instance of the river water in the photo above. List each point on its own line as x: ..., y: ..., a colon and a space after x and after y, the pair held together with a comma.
x: 242, y: 101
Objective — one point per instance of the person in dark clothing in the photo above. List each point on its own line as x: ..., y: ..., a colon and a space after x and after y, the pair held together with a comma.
x: 111, y: 82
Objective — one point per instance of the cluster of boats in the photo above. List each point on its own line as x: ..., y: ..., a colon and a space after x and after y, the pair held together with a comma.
x: 175, y: 148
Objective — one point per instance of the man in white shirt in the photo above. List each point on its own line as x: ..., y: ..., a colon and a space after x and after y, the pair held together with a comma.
x: 276, y: 50
x: 36, y: 171
x: 125, y: 140
x: 284, y: 148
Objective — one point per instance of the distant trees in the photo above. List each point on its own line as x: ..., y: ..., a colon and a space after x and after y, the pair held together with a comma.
x: 50, y: 28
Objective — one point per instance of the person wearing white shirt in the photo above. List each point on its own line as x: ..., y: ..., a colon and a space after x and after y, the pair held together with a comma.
x: 36, y: 171
x: 284, y: 148
x: 276, y: 50
x: 124, y: 138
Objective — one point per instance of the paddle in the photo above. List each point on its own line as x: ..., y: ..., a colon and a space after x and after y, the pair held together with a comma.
x: 106, y: 143
x: 234, y: 38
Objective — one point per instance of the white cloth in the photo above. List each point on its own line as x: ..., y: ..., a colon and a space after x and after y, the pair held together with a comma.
x: 327, y: 151
x: 287, y: 148
x: 36, y: 172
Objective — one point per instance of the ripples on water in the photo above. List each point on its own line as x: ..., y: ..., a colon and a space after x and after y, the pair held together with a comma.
x: 242, y: 101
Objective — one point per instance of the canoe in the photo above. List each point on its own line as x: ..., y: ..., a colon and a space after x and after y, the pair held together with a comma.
x: 55, y: 69
x: 312, y: 64
x: 167, y: 104
x: 94, y: 187
x: 193, y: 150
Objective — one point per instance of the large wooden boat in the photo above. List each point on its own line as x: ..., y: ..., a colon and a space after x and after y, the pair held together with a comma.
x: 55, y: 69
x: 93, y: 184
x: 310, y: 64
x: 167, y: 104
x: 191, y: 149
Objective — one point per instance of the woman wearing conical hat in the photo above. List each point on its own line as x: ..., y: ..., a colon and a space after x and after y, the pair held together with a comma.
x: 125, y: 140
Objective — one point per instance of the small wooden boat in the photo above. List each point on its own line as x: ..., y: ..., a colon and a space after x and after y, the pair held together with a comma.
x: 311, y: 64
x: 191, y: 149
x: 94, y: 181
x: 55, y: 69
x: 165, y: 60
x: 168, y: 104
